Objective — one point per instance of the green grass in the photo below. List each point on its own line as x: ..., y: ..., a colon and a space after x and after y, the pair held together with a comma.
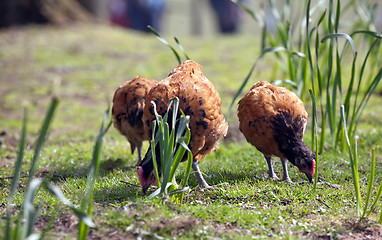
x: 88, y: 63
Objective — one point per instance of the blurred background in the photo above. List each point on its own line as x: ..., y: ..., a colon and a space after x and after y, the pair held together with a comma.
x: 180, y: 17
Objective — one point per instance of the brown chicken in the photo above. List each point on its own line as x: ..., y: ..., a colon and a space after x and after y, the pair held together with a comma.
x: 273, y: 119
x: 199, y: 99
x: 128, y: 104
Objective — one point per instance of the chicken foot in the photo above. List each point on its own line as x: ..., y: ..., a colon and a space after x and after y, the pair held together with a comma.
x: 271, y: 172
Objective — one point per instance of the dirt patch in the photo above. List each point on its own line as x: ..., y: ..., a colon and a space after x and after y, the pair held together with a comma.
x: 66, y: 226
x: 346, y: 229
x: 63, y: 226
x: 362, y: 230
x: 176, y: 226
x: 230, y: 228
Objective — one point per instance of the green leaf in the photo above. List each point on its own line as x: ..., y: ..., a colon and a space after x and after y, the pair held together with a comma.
x: 341, y: 35
x: 353, y: 164
x: 30, y: 212
x: 41, y: 138
x: 253, y: 14
x: 265, y: 51
x: 181, y: 48
x: 188, y: 168
x: 374, y: 34
x: 377, y: 197
x: 175, y: 101
x: 171, y: 154
x: 368, y: 94
x: 338, y: 13
x: 180, y: 152
x: 16, y: 175
x: 165, y: 42
x: 87, y: 201
x: 178, y: 191
x: 183, y: 124
x: 314, y: 137
x: 158, y: 192
x: 33, y: 236
x: 55, y: 191
x: 370, y: 184
x: 154, y: 159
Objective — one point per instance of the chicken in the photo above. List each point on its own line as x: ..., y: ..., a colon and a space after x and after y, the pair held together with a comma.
x: 128, y: 104
x: 273, y: 119
x: 199, y: 99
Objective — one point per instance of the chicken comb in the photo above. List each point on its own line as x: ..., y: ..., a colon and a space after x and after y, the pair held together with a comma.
x: 313, y: 167
x: 142, y: 180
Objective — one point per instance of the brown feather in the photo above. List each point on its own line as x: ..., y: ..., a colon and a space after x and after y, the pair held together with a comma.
x: 128, y: 105
x: 258, y: 109
x: 198, y: 98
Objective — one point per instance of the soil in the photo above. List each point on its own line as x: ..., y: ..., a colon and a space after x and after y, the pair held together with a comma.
x: 362, y: 230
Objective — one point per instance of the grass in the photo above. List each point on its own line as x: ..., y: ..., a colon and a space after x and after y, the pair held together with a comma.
x: 353, y: 152
x: 28, y: 214
x: 89, y: 63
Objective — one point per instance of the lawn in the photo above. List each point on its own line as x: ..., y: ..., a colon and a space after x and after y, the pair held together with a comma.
x: 83, y: 65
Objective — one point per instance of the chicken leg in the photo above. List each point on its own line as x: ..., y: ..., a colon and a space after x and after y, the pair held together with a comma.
x: 285, y: 170
x: 139, y: 149
x: 272, y: 174
x: 199, y: 176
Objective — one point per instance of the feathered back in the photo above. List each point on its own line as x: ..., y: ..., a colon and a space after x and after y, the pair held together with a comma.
x: 198, y: 98
x: 267, y: 112
x: 128, y: 104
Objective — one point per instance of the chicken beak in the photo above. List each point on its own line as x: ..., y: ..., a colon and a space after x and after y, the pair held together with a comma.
x: 145, y: 188
x: 310, y: 177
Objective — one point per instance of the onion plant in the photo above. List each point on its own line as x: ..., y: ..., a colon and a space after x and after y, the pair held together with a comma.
x: 314, y: 137
x: 173, y: 142
x: 328, y: 74
x: 28, y: 214
x: 364, y: 211
x: 178, y: 58
x: 292, y: 64
x: 323, y: 60
x: 87, y: 201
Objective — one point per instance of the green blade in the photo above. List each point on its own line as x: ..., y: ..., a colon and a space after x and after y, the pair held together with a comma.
x: 41, y: 138
x: 370, y: 184
x: 55, y: 191
x: 181, y: 48
x: 16, y: 174
x: 166, y: 43
x: 353, y: 164
x: 30, y: 212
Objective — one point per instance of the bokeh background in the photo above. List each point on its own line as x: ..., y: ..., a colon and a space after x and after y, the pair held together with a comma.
x: 179, y: 17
